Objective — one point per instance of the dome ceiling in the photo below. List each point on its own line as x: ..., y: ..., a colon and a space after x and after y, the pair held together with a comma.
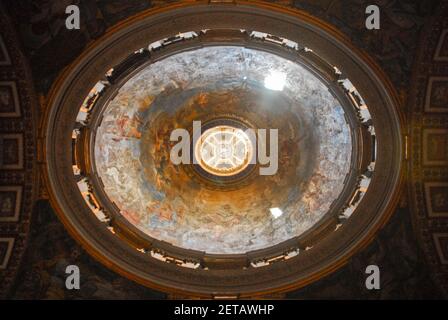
x: 87, y: 152
x: 174, y: 203
x: 220, y: 227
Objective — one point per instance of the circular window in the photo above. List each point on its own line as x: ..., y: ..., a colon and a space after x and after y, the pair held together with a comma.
x: 224, y: 150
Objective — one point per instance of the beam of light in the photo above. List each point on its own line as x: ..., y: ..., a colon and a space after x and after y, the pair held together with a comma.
x: 276, y: 212
x: 275, y: 81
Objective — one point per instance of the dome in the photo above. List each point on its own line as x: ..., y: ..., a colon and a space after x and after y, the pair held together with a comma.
x: 223, y: 153
x: 170, y: 202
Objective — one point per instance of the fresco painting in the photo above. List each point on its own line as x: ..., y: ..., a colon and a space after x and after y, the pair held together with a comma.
x: 132, y: 150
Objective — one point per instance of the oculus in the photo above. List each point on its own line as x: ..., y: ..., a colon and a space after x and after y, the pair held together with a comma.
x: 224, y: 150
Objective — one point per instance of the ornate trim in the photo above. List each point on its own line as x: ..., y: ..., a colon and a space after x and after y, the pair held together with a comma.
x: 429, y: 146
x: 18, y: 172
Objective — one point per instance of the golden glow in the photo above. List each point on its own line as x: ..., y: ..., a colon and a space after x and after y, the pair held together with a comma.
x: 224, y: 150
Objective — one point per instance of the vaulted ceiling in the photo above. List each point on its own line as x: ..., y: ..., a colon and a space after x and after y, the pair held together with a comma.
x: 362, y: 148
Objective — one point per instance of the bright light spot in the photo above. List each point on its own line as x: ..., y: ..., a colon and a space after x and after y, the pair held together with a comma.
x: 275, y: 81
x: 276, y: 212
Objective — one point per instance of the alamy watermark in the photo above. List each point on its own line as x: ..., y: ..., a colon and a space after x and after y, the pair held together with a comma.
x: 373, y: 280
x: 230, y: 149
x: 73, y: 279
x: 373, y: 18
